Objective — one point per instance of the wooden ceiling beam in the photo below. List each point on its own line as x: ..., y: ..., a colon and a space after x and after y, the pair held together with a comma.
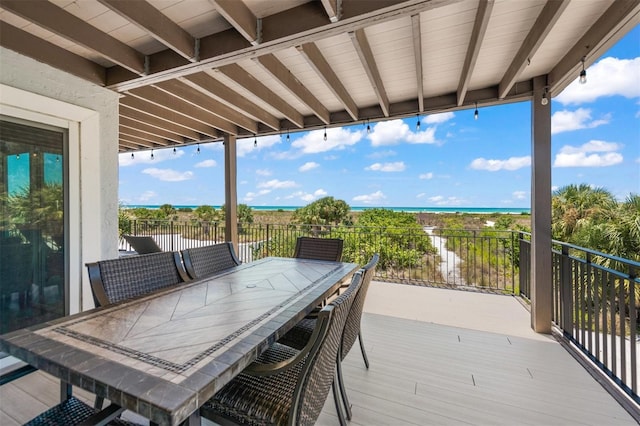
x: 41, y: 50
x: 277, y: 70
x: 417, y: 55
x: 541, y: 28
x: 214, y: 88
x: 150, y: 121
x: 322, y: 68
x: 332, y: 8
x: 198, y: 99
x: 141, y: 105
x: 140, y: 135
x: 249, y: 82
x: 157, y: 24
x: 361, y: 44
x: 70, y: 27
x: 240, y: 17
x: 149, y: 129
x: 125, y: 145
x: 169, y: 102
x: 132, y: 141
x: 279, y: 31
x: 483, y: 14
x: 617, y: 20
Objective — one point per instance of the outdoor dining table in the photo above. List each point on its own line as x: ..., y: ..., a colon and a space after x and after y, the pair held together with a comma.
x: 163, y: 355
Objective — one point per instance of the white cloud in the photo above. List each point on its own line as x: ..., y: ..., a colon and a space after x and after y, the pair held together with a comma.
x: 307, y: 197
x: 638, y: 160
x: 246, y: 146
x: 250, y: 196
x: 591, y: 154
x: 512, y: 163
x: 519, y: 195
x: 426, y: 176
x: 564, y: 121
x: 144, y: 157
x: 440, y: 200
x: 147, y: 195
x: 310, y: 165
x: 393, y: 132
x: 277, y: 184
x: 370, y: 198
x: 313, y: 142
x: 607, y: 77
x: 382, y: 154
x: 397, y: 166
x: 439, y: 118
x: 421, y: 195
x: 263, y: 172
x: 168, y: 175
x: 206, y: 163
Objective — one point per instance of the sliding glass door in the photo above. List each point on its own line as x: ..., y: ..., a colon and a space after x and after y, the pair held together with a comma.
x: 33, y: 284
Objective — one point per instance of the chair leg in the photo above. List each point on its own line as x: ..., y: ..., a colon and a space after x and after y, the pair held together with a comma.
x: 98, y: 403
x: 336, y: 400
x: 343, y: 391
x: 364, y: 353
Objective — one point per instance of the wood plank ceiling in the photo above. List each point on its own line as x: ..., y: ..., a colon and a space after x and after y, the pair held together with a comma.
x: 192, y: 70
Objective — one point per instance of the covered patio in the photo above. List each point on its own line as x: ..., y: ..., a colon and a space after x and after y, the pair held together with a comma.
x: 437, y: 356
x: 130, y: 77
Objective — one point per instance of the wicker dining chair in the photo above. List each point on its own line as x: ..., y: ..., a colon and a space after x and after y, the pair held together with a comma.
x: 206, y: 261
x: 286, y: 385
x: 142, y: 244
x: 318, y: 248
x: 301, y: 332
x: 130, y: 276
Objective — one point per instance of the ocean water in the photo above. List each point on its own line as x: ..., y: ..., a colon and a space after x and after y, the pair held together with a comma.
x: 486, y: 210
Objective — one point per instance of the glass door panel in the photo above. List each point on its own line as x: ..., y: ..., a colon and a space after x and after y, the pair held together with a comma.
x: 32, y: 226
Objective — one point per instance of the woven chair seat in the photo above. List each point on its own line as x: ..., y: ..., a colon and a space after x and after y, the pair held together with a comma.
x: 299, y: 335
x: 259, y: 400
x: 70, y: 412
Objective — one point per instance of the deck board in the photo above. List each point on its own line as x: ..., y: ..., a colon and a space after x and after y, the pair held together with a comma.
x: 428, y: 373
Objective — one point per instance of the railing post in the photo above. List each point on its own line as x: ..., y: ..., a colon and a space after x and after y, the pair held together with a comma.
x: 171, y: 232
x: 566, y: 295
x: 267, y: 239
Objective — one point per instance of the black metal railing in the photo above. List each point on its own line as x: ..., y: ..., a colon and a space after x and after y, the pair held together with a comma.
x: 480, y: 259
x: 596, y: 301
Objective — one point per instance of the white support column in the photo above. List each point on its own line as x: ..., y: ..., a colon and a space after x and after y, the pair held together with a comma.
x: 541, y: 290
x: 231, y: 190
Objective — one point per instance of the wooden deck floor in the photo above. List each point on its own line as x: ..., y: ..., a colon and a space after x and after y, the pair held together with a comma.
x: 427, y: 372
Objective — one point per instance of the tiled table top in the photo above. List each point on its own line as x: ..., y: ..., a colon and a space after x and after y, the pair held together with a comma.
x: 165, y: 354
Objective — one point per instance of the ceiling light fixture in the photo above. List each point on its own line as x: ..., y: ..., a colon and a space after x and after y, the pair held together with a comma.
x: 544, y: 100
x: 583, y: 73
x: 475, y: 114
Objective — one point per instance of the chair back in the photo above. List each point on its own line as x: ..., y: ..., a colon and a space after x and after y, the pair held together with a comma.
x: 320, y: 367
x: 130, y: 276
x: 319, y: 248
x: 142, y: 244
x: 209, y: 260
x: 352, y: 326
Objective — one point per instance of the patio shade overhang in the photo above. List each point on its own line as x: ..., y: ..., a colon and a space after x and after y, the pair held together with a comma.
x: 192, y: 72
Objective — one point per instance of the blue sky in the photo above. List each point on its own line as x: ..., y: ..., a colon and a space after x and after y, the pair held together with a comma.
x: 451, y: 161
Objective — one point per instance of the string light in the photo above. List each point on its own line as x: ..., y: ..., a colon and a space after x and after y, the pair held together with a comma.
x: 132, y: 155
x: 287, y: 135
x: 255, y: 140
x: 583, y: 74
x: 368, y: 127
x: 152, y: 156
x: 325, y: 133
x: 418, y: 122
x: 544, y: 100
x: 475, y: 114
x: 198, y: 150
x: 17, y: 156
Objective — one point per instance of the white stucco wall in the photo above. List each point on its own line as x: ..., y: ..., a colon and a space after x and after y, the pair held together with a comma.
x: 32, y: 90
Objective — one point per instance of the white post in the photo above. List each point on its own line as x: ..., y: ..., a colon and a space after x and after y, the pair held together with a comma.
x: 231, y: 190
